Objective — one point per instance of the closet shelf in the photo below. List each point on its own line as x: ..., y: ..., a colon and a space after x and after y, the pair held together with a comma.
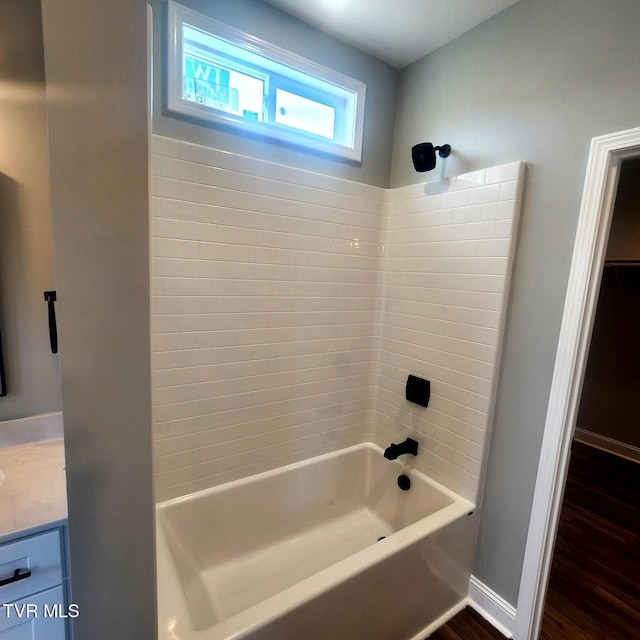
x: 622, y: 263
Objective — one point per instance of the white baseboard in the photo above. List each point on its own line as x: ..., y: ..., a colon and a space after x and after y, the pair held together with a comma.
x: 494, y: 609
x: 616, y: 447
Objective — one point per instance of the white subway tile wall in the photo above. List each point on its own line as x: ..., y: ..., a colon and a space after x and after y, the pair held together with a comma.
x: 288, y: 308
x: 448, y: 250
x: 264, y: 289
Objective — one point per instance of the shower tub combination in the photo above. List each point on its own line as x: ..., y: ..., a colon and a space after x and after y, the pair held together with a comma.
x: 330, y: 547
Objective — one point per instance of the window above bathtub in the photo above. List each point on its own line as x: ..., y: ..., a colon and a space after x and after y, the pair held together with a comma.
x: 219, y: 74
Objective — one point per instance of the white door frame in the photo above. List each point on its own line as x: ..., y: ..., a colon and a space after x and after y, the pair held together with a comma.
x: 596, y: 212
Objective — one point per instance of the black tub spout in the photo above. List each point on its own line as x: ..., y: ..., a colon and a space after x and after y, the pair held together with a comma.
x: 394, y: 450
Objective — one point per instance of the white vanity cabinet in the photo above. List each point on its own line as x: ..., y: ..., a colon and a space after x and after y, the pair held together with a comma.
x: 34, y: 578
x: 32, y: 595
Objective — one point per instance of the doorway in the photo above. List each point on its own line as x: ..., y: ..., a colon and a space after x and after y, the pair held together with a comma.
x: 605, y: 159
x: 592, y: 592
x: 609, y: 412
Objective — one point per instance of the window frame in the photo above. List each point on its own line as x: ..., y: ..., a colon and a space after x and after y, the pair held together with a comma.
x: 283, y: 70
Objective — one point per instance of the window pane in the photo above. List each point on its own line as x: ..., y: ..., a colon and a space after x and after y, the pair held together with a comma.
x: 307, y: 115
x: 220, y: 88
x: 250, y: 92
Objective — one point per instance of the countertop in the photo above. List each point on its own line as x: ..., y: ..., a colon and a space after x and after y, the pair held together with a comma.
x: 32, y: 486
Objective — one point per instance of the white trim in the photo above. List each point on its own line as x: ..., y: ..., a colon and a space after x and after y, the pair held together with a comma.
x: 610, y: 445
x: 493, y: 608
x: 605, y: 156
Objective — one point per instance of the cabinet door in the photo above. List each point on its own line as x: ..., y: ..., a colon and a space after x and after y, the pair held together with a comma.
x: 35, y: 618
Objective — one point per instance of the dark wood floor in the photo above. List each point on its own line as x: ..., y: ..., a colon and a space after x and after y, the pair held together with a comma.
x: 594, y: 587
x: 467, y: 625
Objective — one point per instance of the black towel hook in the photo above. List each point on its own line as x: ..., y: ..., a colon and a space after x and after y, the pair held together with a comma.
x: 50, y: 298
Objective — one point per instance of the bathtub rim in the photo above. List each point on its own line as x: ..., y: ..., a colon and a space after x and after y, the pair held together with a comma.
x: 252, y: 618
x: 255, y: 477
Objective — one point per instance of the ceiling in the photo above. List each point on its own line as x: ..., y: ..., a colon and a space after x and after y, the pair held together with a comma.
x: 396, y: 31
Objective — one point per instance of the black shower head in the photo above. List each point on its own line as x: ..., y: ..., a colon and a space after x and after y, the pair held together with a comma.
x: 424, y: 155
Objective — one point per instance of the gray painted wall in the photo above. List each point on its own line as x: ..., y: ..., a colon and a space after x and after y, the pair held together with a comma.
x: 535, y: 83
x: 26, y: 239
x: 97, y: 113
x: 272, y: 25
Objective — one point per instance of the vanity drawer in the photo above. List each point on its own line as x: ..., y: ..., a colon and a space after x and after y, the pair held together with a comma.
x: 40, y: 554
x: 35, y: 618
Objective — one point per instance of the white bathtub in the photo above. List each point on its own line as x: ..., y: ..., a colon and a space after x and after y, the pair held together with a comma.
x: 295, y: 553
